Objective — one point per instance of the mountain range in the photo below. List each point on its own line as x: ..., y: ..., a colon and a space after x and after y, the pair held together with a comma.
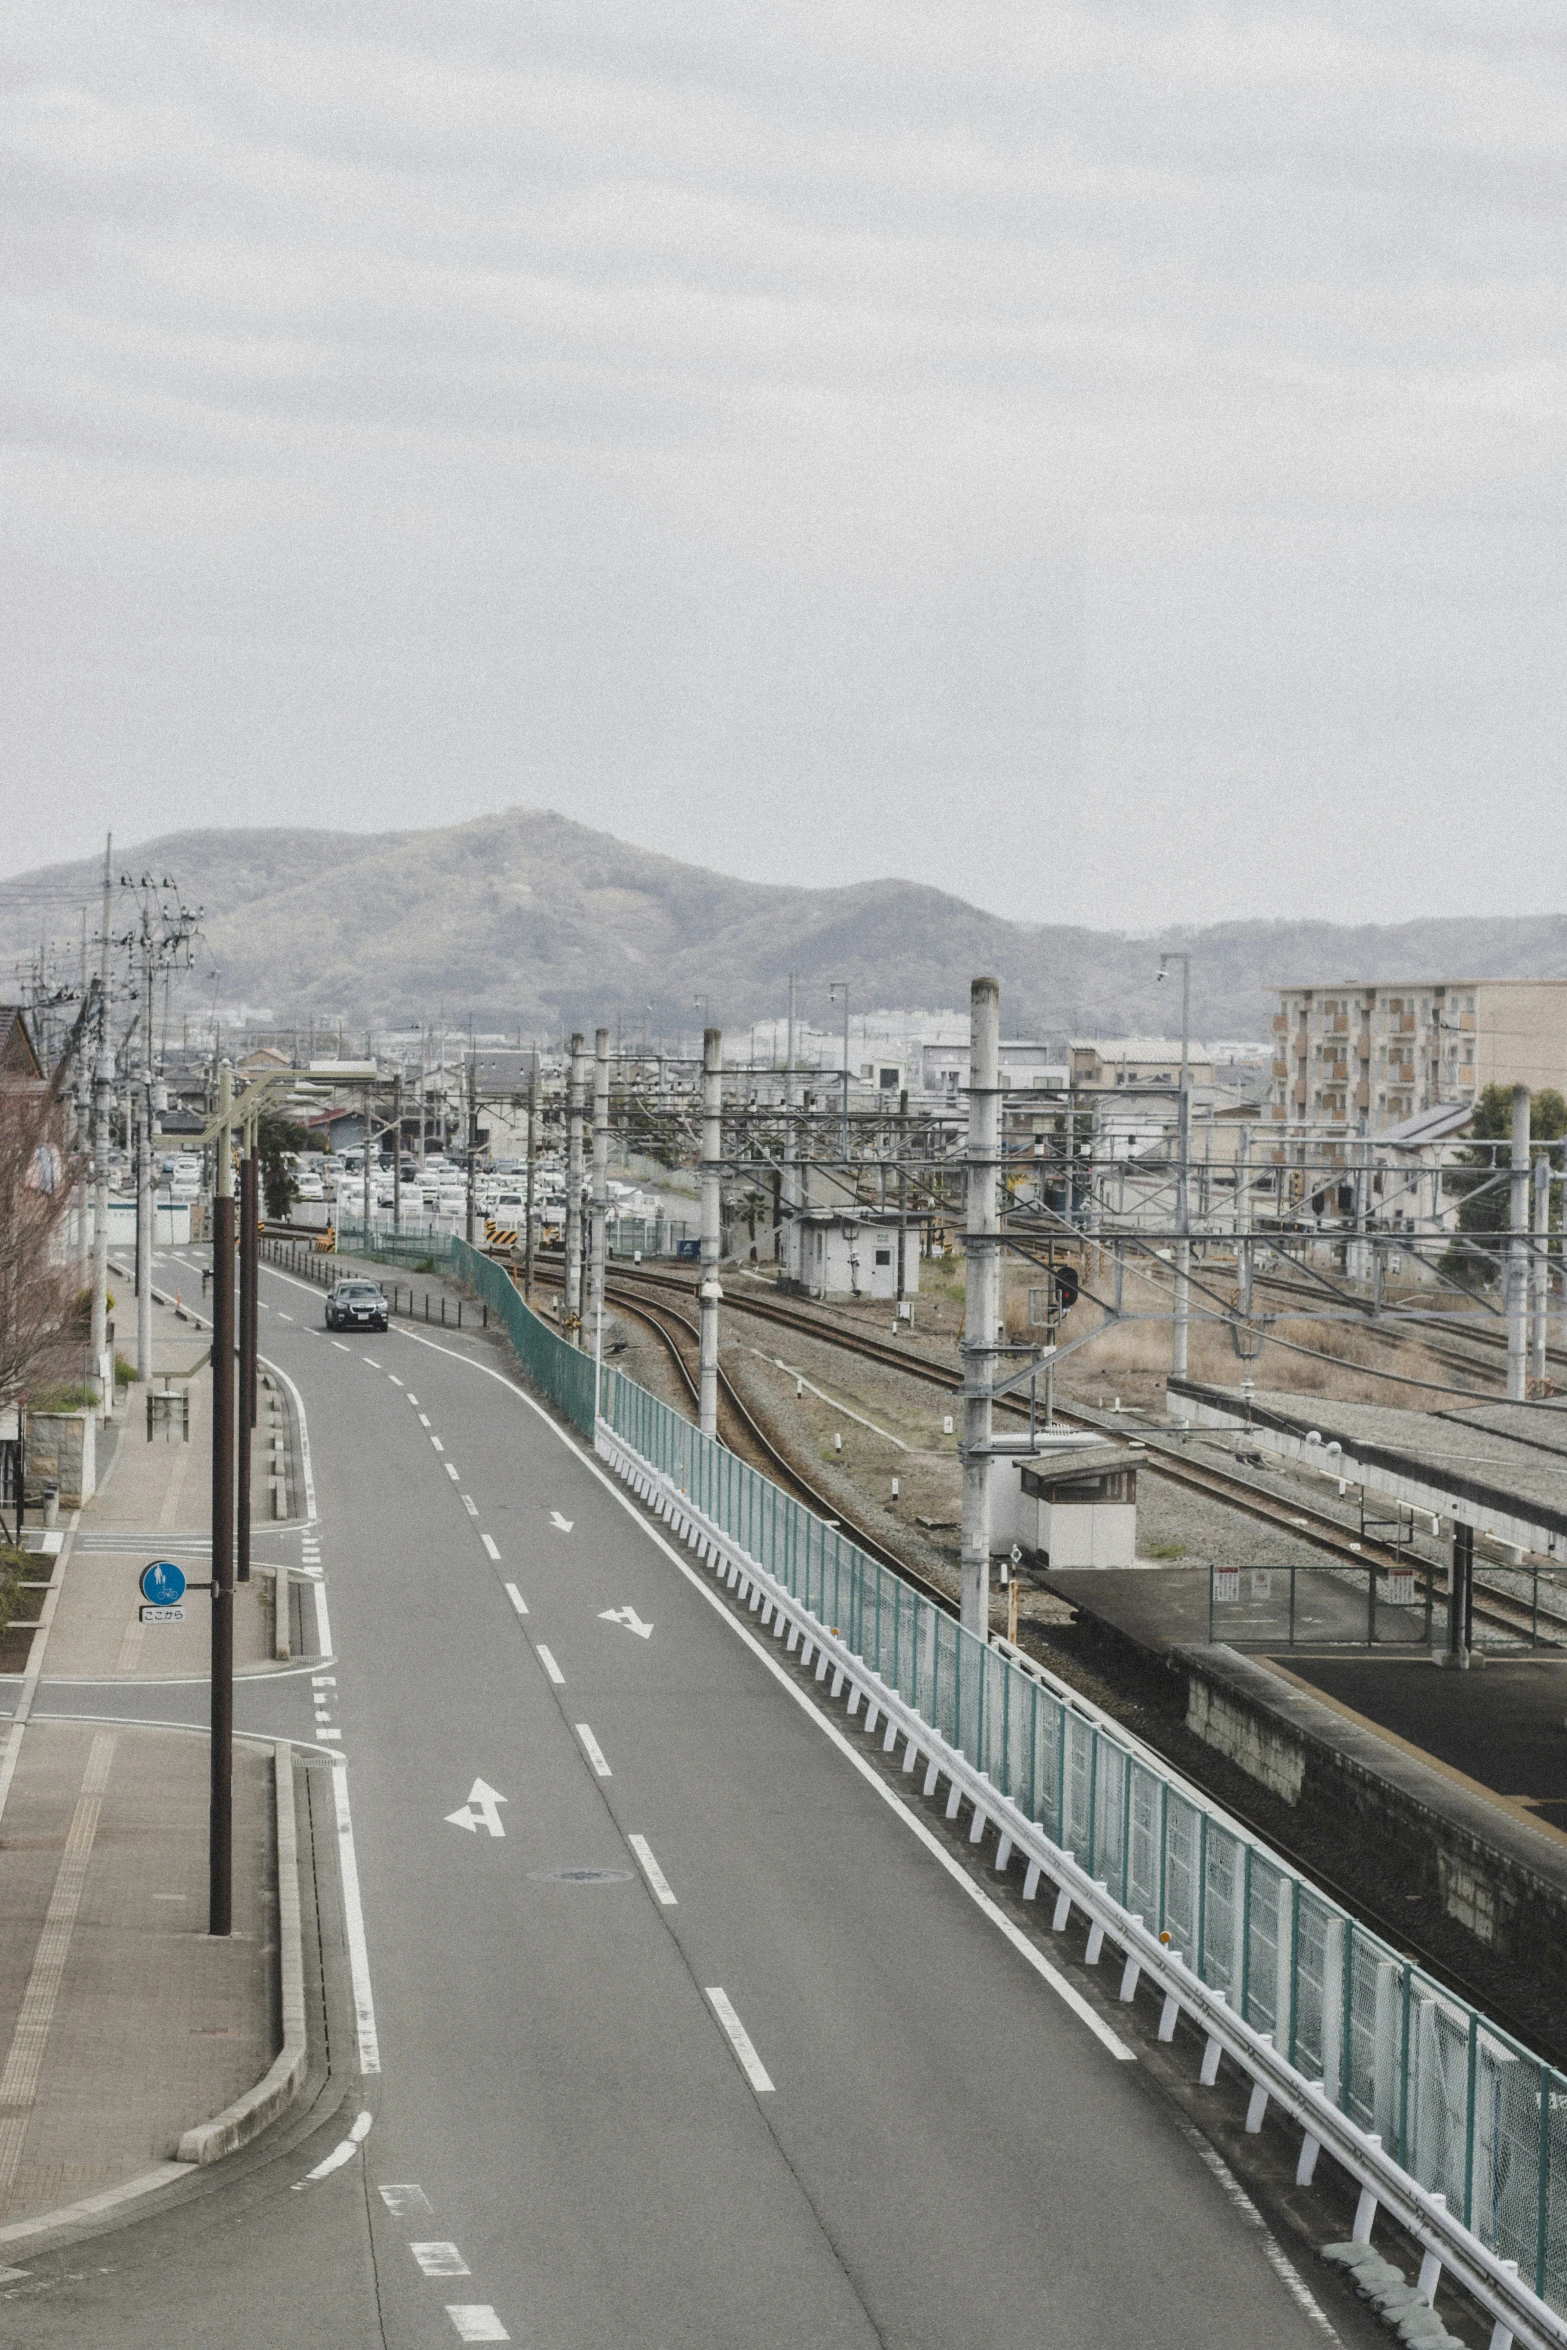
x: 528, y: 921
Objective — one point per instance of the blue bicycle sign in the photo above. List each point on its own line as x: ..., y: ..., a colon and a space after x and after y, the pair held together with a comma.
x: 163, y: 1583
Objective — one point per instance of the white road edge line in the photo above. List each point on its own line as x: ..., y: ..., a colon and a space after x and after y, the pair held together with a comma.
x: 547, y: 1660
x: 595, y: 1752
x: 740, y: 2040
x: 1067, y: 1992
x: 341, y: 2153
x: 516, y: 1598
x: 347, y: 1857
x: 1274, y: 2253
x: 651, y: 1870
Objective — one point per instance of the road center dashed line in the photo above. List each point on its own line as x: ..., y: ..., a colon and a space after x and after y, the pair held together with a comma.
x: 662, y: 1889
x: 440, y: 2260
x: 595, y: 1752
x: 488, y: 1541
x: 476, y: 2321
x: 514, y: 1595
x: 547, y: 1660
x: 740, y: 2040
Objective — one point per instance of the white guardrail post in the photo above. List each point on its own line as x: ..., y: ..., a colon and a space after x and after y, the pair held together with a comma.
x: 1517, y: 2313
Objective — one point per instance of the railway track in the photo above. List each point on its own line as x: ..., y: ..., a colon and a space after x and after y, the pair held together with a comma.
x: 745, y: 1436
x: 1163, y: 1457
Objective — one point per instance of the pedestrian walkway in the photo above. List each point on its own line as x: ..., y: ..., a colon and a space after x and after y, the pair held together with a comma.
x: 122, y: 2023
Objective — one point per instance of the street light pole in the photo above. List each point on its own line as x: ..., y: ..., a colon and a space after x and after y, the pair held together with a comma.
x: 220, y: 1835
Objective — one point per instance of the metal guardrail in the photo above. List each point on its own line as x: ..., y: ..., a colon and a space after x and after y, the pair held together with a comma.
x: 1443, y: 2119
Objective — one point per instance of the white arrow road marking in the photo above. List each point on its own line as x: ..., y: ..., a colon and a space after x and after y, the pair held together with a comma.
x: 479, y: 1808
x: 476, y: 2321
x: 629, y: 1617
x: 564, y: 1524
x: 595, y: 1752
x: 551, y: 1667
x: 739, y: 2040
x: 339, y: 2155
x: 440, y: 2260
x: 654, y: 1874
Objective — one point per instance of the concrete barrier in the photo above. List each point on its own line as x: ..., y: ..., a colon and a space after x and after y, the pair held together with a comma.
x: 1493, y: 1873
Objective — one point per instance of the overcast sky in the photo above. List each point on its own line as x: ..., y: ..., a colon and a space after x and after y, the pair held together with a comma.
x: 1104, y: 460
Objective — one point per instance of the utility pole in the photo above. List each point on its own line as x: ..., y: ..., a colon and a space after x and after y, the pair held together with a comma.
x: 835, y: 987
x: 982, y: 1296
x: 791, y: 1148
x: 710, y: 1293
x: 576, y: 1079
x: 528, y: 1211
x: 84, y: 1128
x: 1183, y: 1244
x: 1540, y: 1270
x: 139, y: 1100
x: 103, y: 1087
x: 220, y: 1834
x: 1243, y: 1221
x: 599, y: 1237
x: 397, y: 1150
x: 473, y: 1136
x: 1518, y: 1253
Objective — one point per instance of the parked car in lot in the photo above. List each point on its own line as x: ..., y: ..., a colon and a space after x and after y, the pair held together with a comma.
x: 356, y: 1305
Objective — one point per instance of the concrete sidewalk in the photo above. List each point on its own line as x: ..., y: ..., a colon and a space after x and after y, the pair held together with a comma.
x: 122, y: 2024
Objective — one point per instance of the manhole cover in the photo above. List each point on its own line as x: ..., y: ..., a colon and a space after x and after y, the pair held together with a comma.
x: 580, y: 1876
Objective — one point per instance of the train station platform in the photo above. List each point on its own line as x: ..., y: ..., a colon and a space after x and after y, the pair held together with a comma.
x: 1499, y: 1468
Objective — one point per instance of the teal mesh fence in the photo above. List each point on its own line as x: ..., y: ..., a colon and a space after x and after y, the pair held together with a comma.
x: 416, y: 1252
x: 1466, y: 2109
x: 564, y: 1373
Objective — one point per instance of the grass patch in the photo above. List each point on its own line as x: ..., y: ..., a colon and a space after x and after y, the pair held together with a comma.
x: 1165, y: 1550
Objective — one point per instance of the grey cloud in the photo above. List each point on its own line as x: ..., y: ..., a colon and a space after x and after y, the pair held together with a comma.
x: 990, y: 438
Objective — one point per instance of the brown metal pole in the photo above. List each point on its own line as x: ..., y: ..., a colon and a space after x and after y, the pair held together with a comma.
x: 220, y: 1838
x: 248, y: 1319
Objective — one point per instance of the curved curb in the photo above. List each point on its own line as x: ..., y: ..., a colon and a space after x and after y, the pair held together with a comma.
x: 275, y: 2092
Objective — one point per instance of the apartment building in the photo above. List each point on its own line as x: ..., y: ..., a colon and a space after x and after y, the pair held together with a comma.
x: 1365, y: 1056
